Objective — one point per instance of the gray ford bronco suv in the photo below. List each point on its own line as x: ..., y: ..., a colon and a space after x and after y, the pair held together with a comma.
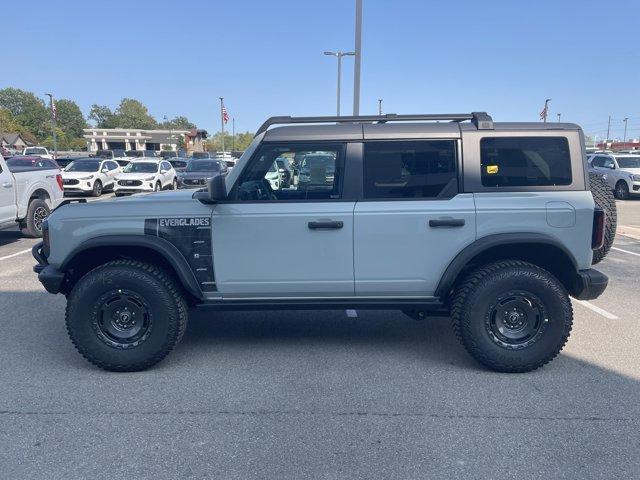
x: 492, y: 224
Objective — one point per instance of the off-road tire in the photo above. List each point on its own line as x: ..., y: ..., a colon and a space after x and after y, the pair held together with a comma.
x: 603, y: 197
x: 31, y: 226
x: 167, y: 314
x: 472, y: 302
x: 97, y: 189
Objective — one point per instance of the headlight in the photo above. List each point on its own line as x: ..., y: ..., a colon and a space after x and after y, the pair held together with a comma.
x: 635, y: 178
x: 86, y: 178
x: 148, y: 179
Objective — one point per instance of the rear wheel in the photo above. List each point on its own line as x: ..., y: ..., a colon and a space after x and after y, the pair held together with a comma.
x: 37, y: 212
x: 622, y: 190
x: 126, y: 315
x: 512, y: 316
x: 603, y: 197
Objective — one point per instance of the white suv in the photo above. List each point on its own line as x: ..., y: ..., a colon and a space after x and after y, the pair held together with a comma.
x: 90, y: 175
x: 146, y: 175
x: 621, y: 172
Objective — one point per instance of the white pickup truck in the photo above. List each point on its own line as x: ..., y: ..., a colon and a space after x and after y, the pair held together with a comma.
x: 37, y: 152
x: 28, y: 194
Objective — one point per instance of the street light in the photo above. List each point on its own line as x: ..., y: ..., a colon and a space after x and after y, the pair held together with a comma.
x: 380, y: 106
x: 339, y: 56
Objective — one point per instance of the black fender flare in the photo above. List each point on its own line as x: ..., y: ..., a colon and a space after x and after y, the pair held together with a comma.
x: 159, y: 245
x: 490, y: 241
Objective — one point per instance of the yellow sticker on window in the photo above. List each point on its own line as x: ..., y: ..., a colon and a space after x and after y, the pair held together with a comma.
x: 492, y: 169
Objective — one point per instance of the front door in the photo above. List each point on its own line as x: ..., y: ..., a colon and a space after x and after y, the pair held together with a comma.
x: 8, y: 209
x: 412, y: 222
x: 278, y: 240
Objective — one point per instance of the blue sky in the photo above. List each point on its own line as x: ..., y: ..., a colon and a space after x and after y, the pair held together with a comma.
x: 265, y: 57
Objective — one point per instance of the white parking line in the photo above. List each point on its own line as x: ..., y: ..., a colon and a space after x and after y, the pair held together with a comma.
x: 598, y: 310
x: 625, y: 251
x: 352, y: 313
x: 15, y: 254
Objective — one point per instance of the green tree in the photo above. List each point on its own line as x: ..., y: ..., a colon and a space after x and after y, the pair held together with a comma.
x: 70, y: 118
x: 102, y: 116
x: 177, y: 123
x: 9, y: 125
x: 133, y: 114
x: 242, y: 141
x: 27, y: 110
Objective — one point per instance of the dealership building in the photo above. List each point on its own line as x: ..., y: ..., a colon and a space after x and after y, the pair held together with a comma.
x: 132, y: 139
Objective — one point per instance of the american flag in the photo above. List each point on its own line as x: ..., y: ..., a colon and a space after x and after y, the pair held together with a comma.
x: 225, y: 115
x: 545, y: 110
x: 54, y: 111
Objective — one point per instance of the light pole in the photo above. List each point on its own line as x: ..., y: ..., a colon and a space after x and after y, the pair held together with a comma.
x: 53, y: 116
x: 624, y: 140
x: 358, y: 55
x: 339, y: 56
x: 233, y: 134
x: 559, y: 115
x: 379, y: 106
x: 222, y: 121
x: 608, y: 129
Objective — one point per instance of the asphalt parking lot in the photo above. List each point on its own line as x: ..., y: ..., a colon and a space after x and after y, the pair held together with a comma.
x: 320, y: 394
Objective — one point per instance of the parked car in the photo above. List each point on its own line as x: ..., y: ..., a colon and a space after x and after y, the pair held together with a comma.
x: 146, y: 175
x: 134, y: 153
x: 199, y: 155
x: 620, y: 171
x: 28, y: 193
x: 92, y: 175
x: 37, y: 151
x: 497, y: 235
x: 64, y: 161
x: 179, y: 163
x: 198, y: 171
x: 168, y: 154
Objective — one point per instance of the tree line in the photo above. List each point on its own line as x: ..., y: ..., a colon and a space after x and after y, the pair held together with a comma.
x: 23, y: 112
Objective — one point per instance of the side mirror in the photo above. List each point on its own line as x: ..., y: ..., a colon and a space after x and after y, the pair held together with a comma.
x: 281, y: 170
x: 163, y: 171
x: 216, y: 190
x: 105, y: 170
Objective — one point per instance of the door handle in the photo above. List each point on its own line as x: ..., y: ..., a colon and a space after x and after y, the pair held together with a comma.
x: 325, y: 225
x: 446, y: 222
x: 7, y: 184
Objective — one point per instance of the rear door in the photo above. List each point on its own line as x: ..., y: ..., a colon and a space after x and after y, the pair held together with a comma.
x: 412, y: 221
x: 281, y: 242
x: 8, y: 208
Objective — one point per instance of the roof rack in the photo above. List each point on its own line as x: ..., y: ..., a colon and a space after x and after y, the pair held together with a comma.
x: 481, y: 120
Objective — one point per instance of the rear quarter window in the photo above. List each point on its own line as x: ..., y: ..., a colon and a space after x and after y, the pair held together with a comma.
x: 525, y: 161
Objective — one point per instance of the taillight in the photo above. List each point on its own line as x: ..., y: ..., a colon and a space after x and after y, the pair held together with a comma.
x: 597, y: 234
x: 59, y: 180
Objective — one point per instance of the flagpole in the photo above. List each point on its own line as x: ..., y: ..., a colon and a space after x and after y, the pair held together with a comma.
x: 233, y: 134
x: 222, y: 121
x: 53, y: 116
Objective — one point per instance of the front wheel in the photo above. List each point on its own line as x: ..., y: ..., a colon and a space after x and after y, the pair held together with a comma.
x: 512, y: 316
x: 157, y: 187
x: 97, y: 189
x: 174, y: 184
x: 622, y: 190
x: 126, y: 315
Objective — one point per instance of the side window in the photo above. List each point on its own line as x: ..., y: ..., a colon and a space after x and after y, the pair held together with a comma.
x: 319, y: 174
x: 113, y: 165
x: 166, y: 166
x: 607, y: 162
x: 596, y: 162
x: 525, y: 161
x: 410, y: 169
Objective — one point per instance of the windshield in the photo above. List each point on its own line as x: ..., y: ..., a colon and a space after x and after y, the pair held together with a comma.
x: 83, y: 166
x: 35, y: 151
x: 203, y: 166
x: 134, y: 153
x: 18, y: 163
x: 628, y: 162
x: 141, y: 167
x: 200, y: 155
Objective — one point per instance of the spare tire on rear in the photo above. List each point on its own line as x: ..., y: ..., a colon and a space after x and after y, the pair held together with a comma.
x: 604, y: 199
